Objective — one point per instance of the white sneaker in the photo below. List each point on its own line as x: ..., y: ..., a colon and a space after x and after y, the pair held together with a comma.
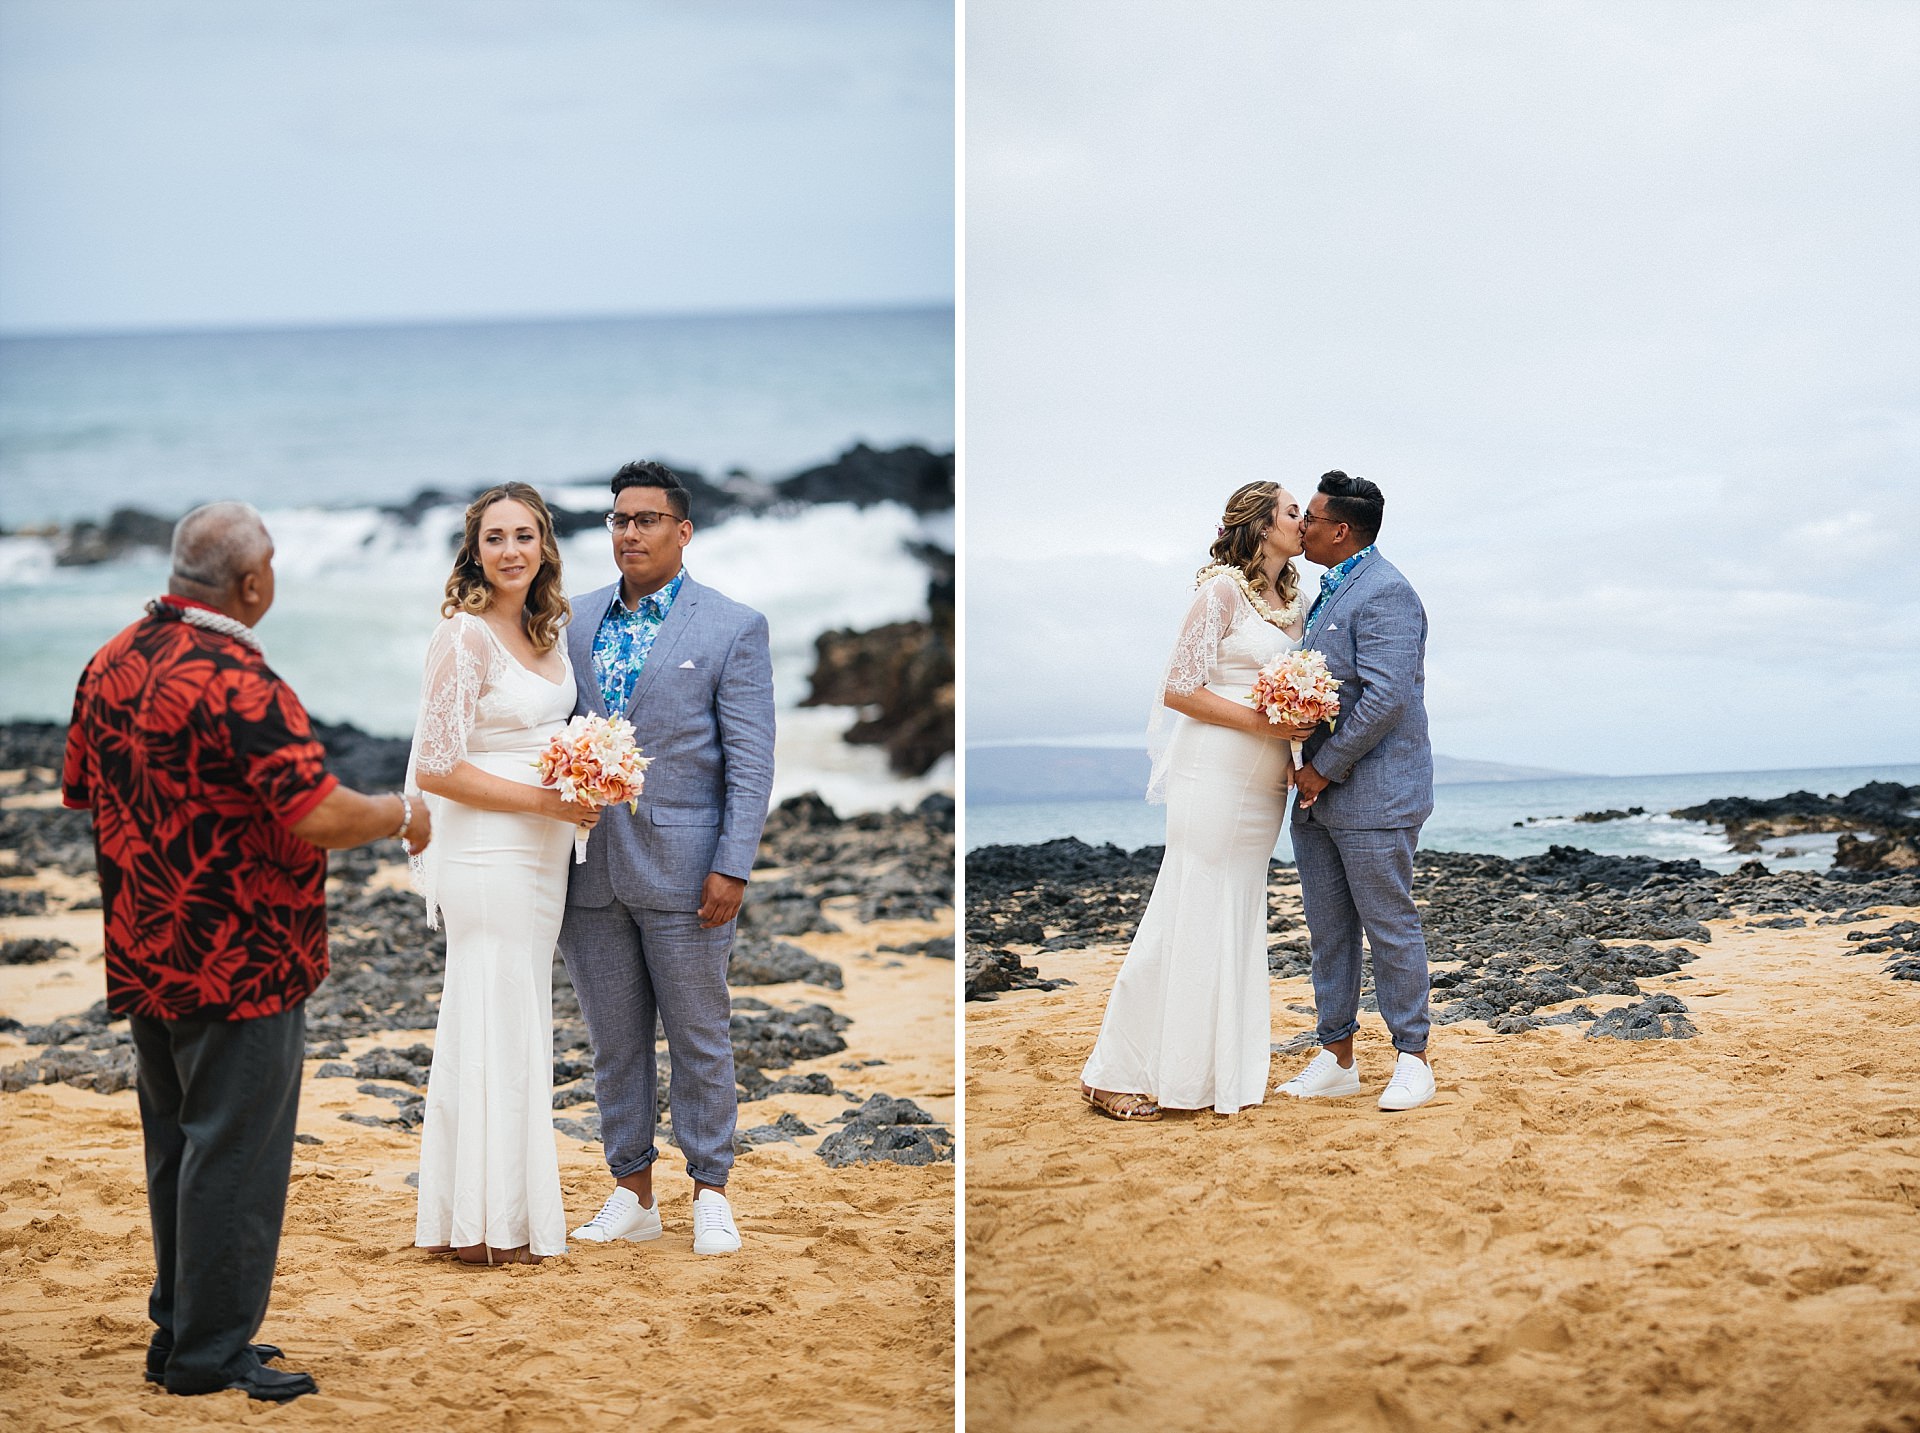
x: 621, y: 1217
x: 1411, y: 1086
x: 1324, y: 1076
x: 713, y: 1231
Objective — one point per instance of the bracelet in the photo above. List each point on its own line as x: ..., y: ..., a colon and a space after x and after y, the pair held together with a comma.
x: 406, y: 816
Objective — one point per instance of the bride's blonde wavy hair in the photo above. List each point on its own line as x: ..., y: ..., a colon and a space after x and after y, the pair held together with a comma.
x: 1243, y: 527
x: 469, y: 591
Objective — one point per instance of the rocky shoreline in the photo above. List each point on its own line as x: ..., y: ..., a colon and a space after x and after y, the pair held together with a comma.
x: 911, y: 475
x: 901, y: 674
x: 815, y: 870
x: 1885, y: 813
x: 1506, y: 937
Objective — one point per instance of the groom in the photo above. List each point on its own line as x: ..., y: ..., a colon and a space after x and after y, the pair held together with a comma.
x: 650, y: 915
x: 1365, y: 789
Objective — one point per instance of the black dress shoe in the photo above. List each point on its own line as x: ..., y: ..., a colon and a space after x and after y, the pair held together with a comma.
x: 269, y: 1385
x: 157, y: 1359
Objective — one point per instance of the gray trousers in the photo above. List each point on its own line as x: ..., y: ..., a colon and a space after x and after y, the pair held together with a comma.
x: 1354, y: 882
x: 628, y: 966
x: 218, y: 1100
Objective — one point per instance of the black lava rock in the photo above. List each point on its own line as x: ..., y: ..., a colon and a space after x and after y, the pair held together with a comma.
x: 884, y: 1128
x: 1659, y: 1017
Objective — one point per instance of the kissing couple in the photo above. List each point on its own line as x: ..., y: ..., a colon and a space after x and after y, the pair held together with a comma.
x: 645, y: 919
x: 1188, y: 1022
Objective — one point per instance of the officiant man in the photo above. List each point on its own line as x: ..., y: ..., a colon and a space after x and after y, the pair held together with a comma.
x: 212, y: 813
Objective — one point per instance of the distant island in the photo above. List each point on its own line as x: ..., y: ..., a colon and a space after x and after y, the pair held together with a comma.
x: 1000, y: 775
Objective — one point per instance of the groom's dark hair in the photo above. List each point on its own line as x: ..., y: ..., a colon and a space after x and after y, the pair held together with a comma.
x: 649, y: 474
x: 1355, y: 502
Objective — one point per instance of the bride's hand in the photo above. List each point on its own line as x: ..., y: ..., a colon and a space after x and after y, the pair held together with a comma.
x: 571, y: 812
x: 1290, y: 733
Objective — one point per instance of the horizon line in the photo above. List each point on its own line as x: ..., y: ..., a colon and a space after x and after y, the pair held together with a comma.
x: 1067, y: 744
x: 343, y: 325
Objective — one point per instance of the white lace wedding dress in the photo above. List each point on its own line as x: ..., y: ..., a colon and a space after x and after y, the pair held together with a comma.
x: 1188, y: 1023
x: 489, y: 1169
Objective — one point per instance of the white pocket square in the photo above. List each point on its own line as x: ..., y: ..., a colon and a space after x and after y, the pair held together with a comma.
x: 686, y: 666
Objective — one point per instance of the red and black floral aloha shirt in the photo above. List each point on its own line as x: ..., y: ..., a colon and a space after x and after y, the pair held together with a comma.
x: 195, y: 759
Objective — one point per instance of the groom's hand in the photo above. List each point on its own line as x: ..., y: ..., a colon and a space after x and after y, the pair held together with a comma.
x: 720, y: 898
x: 1311, y: 784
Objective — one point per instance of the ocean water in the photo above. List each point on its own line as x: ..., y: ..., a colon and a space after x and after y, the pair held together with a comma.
x: 319, y: 428
x: 345, y: 416
x: 1481, y: 816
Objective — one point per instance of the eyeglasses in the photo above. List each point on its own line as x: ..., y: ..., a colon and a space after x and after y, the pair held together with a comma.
x: 1316, y: 517
x: 619, y: 522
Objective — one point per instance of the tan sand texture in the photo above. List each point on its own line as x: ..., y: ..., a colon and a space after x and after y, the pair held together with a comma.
x: 838, y: 1313
x: 1720, y: 1233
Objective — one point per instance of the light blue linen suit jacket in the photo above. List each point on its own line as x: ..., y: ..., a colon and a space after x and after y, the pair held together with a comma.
x: 703, y: 710
x: 1373, y: 633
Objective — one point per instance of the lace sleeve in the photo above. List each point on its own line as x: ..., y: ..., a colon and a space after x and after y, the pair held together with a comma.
x: 1194, y: 650
x: 449, y: 693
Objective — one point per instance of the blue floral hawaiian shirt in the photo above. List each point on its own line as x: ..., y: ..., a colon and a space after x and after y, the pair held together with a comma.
x: 625, y: 637
x: 1331, y: 579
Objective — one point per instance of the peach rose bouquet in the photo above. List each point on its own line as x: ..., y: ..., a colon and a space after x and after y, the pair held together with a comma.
x: 1299, y: 690
x: 594, y: 761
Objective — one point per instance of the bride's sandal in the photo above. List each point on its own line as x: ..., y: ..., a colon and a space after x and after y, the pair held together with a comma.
x: 1118, y: 1106
x: 485, y: 1256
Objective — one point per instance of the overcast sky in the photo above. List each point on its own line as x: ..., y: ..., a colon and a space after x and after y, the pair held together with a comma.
x: 1617, y: 302
x: 231, y: 162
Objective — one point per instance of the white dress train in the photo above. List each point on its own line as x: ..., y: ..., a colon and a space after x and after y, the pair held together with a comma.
x: 489, y: 1168
x: 1189, y: 1020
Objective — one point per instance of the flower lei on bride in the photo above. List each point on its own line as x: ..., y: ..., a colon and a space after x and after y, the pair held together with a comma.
x: 1281, y: 618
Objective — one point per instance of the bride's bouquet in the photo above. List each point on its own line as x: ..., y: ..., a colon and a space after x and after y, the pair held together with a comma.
x: 594, y: 761
x: 1297, y: 689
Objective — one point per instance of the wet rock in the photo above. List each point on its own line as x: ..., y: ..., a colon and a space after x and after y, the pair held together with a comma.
x: 1659, y: 1017
x: 902, y: 675
x: 911, y: 476
x: 1884, y: 809
x: 126, y: 530
x: 1595, y: 817
x: 1887, y: 853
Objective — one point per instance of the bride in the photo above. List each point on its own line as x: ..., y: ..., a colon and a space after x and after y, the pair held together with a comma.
x: 498, y: 684
x: 1188, y: 1022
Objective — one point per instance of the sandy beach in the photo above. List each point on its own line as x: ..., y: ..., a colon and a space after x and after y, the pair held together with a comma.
x: 1720, y: 1232
x: 838, y: 1312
